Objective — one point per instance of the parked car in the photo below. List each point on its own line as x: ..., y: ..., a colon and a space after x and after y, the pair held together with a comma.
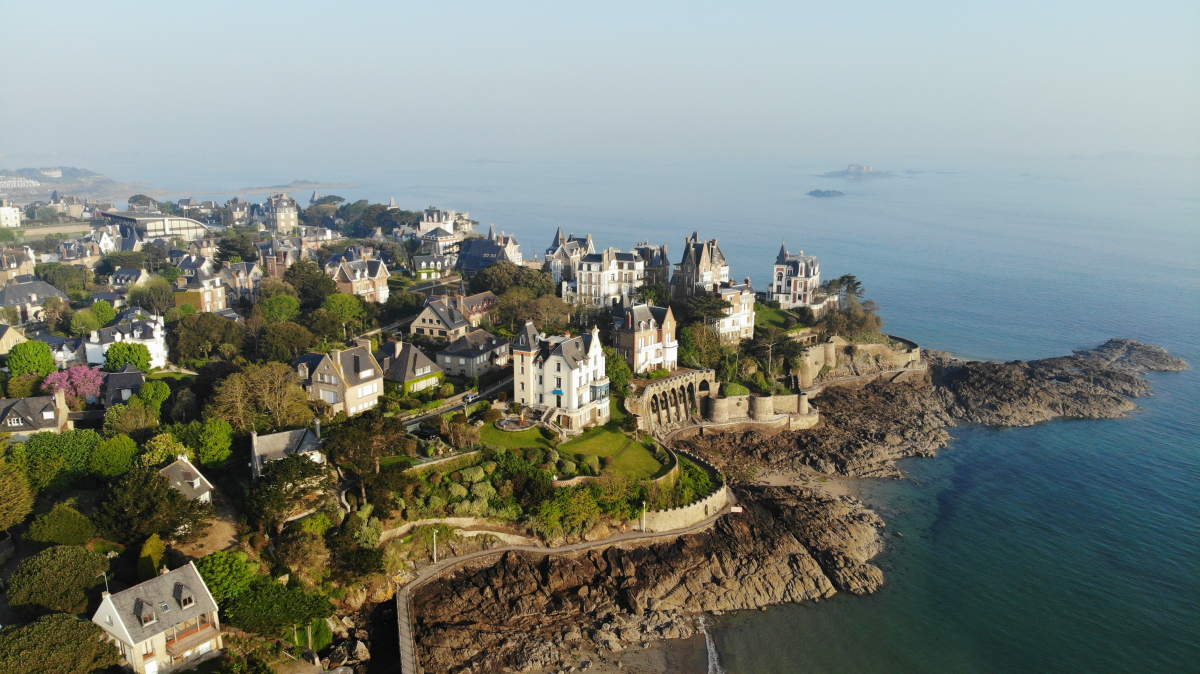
x: 470, y: 398
x: 426, y: 434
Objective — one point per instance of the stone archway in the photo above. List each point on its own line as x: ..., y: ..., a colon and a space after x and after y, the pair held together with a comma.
x: 704, y: 389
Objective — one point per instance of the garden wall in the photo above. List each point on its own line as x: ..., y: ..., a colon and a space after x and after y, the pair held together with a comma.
x: 693, y: 513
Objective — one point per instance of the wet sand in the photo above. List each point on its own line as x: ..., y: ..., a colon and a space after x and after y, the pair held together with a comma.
x: 834, y: 485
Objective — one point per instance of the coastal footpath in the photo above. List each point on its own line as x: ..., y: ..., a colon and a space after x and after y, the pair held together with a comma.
x: 526, y: 612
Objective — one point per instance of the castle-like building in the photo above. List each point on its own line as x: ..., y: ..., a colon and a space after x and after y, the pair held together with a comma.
x: 796, y: 280
x: 561, y: 377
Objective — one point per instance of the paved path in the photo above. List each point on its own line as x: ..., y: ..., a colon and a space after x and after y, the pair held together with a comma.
x: 409, y: 663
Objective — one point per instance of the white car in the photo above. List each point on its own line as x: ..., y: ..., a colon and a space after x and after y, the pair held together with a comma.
x: 470, y: 398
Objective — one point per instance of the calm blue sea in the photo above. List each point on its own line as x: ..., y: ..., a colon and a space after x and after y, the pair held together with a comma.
x: 1068, y: 547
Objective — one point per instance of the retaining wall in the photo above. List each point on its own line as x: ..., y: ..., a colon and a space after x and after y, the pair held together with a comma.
x: 465, y: 458
x: 402, y: 530
x: 686, y: 516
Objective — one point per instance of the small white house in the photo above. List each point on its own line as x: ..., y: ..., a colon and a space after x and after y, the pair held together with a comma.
x: 185, y: 479
x: 149, y: 332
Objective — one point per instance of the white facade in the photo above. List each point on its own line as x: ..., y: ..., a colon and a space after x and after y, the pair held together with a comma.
x: 606, y: 279
x: 795, y: 280
x: 10, y: 216
x: 738, y: 323
x: 149, y: 332
x: 562, y: 374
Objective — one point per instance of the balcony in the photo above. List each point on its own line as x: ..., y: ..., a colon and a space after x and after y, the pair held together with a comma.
x: 190, y: 640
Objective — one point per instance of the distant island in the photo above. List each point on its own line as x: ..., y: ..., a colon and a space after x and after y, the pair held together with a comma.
x: 858, y: 172
x: 294, y: 185
x: 826, y: 193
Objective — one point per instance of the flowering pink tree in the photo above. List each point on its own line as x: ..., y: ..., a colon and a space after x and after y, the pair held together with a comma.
x: 77, y: 383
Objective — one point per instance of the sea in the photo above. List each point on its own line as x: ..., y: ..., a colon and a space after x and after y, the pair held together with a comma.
x: 1072, y: 546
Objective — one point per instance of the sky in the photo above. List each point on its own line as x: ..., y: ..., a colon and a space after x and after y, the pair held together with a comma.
x: 367, y: 83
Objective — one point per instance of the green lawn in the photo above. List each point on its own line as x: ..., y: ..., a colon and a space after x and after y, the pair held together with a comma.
x: 766, y: 317
x: 637, y: 462
x: 603, y: 440
x: 534, y: 437
x: 187, y: 378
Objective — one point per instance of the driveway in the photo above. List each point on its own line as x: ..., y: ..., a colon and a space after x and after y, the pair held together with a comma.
x: 222, y: 533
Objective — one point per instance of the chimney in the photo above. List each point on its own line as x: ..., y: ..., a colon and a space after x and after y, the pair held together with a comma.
x: 317, y: 428
x: 164, y: 570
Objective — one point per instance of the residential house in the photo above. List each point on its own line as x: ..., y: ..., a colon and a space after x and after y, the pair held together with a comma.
x: 208, y: 207
x: 204, y: 292
x: 276, y: 446
x: 479, y: 254
x: 451, y: 221
x: 231, y: 315
x: 404, y: 364
x: 658, y: 264
x: 606, y: 279
x: 72, y: 207
x: 357, y: 272
x: 14, y: 263
x: 128, y: 278
x: 239, y: 210
x: 195, y: 264
x: 702, y: 269
x: 561, y: 377
x: 281, y: 213
x: 738, y: 324
x: 163, y: 623
x: 206, y: 247
x: 28, y: 295
x: 473, y: 307
x: 149, y: 333
x: 796, y: 280
x: 10, y: 215
x: 433, y: 266
x: 122, y: 385
x: 645, y: 336
x: 187, y: 204
x: 80, y: 253
x: 187, y: 480
x: 115, y: 298
x: 160, y: 226
x: 41, y: 414
x: 242, y: 280
x: 276, y: 255
x: 67, y: 351
x: 96, y: 209
x: 349, y: 380
x: 440, y: 318
x: 9, y: 337
x: 440, y: 242
x: 563, y: 253
x: 104, y: 236
x: 474, y: 354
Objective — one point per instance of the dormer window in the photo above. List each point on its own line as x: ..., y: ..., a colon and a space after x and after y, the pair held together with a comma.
x: 48, y: 414
x: 13, y: 421
x: 369, y: 372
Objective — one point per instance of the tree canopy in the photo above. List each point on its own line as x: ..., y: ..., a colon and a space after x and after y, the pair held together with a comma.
x: 121, y: 354
x: 32, y: 357
x: 63, y: 525
x: 142, y: 503
x: 236, y: 246
x: 227, y: 573
x: 287, y: 487
x: 187, y: 336
x: 285, y: 342
x: 311, y: 282
x: 156, y: 294
x: 56, y: 580
x: 266, y: 397
x: 16, y: 498
x: 56, y: 644
x: 366, y: 438
x: 503, y: 275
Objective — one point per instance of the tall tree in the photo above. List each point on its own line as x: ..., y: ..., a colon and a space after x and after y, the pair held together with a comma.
x: 104, y: 312
x: 289, y: 486
x: 347, y: 309
x: 186, y: 336
x: 366, y: 438
x: 280, y: 308
x: 32, y: 357
x: 236, y: 246
x: 56, y: 579
x: 266, y: 397
x: 121, y: 354
x: 56, y: 644
x: 285, y: 342
x: 142, y: 503
x: 311, y: 282
x: 156, y: 295
x: 16, y: 498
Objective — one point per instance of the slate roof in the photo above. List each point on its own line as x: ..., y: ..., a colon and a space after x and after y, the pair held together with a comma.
x: 185, y: 479
x: 276, y: 446
x: 353, y: 362
x: 57, y: 344
x: 478, y: 254
x: 450, y: 316
x: 574, y: 350
x: 631, y: 317
x: 126, y: 276
x: 21, y: 293
x: 31, y: 411
x: 129, y: 377
x: 144, y: 330
x: 473, y: 344
x: 153, y: 594
x: 401, y: 361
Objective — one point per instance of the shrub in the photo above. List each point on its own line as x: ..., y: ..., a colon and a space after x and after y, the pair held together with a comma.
x: 551, y: 456
x: 56, y: 644
x: 25, y: 385
x: 473, y: 474
x: 457, y: 491
x: 592, y: 462
x: 567, y: 468
x: 16, y: 498
x: 435, y: 478
x: 493, y: 415
x: 317, y: 524
x: 56, y: 579
x: 227, y: 573
x: 483, y: 490
x: 58, y: 460
x: 731, y: 389
x: 533, y: 456
x: 608, y: 461
x: 151, y: 557
x: 269, y: 608
x: 489, y: 467
x: 63, y: 525
x: 113, y: 457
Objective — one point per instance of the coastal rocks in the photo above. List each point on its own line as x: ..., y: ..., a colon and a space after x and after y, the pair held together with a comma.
x: 1091, y: 384
x: 862, y: 433
x: 789, y: 544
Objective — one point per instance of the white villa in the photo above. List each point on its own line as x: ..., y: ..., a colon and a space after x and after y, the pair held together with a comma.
x: 561, y: 377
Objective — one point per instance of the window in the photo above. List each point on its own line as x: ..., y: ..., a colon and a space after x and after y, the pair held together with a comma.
x: 125, y: 393
x: 522, y: 386
x: 558, y: 367
x: 558, y: 382
x: 367, y: 373
x: 541, y: 398
x: 462, y: 361
x: 330, y: 397
x: 13, y: 421
x: 47, y: 414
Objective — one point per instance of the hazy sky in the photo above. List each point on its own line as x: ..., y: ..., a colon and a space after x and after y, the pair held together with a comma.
x: 368, y: 81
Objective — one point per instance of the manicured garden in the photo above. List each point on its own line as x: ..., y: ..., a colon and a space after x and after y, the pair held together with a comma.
x: 769, y: 317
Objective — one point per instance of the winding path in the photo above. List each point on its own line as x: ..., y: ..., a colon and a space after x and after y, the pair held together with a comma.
x: 410, y: 664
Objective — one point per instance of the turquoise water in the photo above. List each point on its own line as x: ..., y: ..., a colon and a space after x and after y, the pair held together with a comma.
x: 1068, y: 547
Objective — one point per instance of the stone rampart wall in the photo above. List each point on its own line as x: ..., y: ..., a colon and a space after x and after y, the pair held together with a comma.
x: 402, y: 530
x: 686, y: 516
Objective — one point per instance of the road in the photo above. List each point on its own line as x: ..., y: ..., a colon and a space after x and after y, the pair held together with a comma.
x: 409, y: 663
x: 486, y: 393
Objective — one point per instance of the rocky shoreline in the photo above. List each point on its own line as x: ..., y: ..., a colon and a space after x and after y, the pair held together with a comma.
x: 528, y: 612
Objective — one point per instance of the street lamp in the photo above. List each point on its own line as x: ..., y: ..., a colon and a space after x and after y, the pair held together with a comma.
x: 435, y: 546
x: 105, y: 575
x: 643, y: 517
